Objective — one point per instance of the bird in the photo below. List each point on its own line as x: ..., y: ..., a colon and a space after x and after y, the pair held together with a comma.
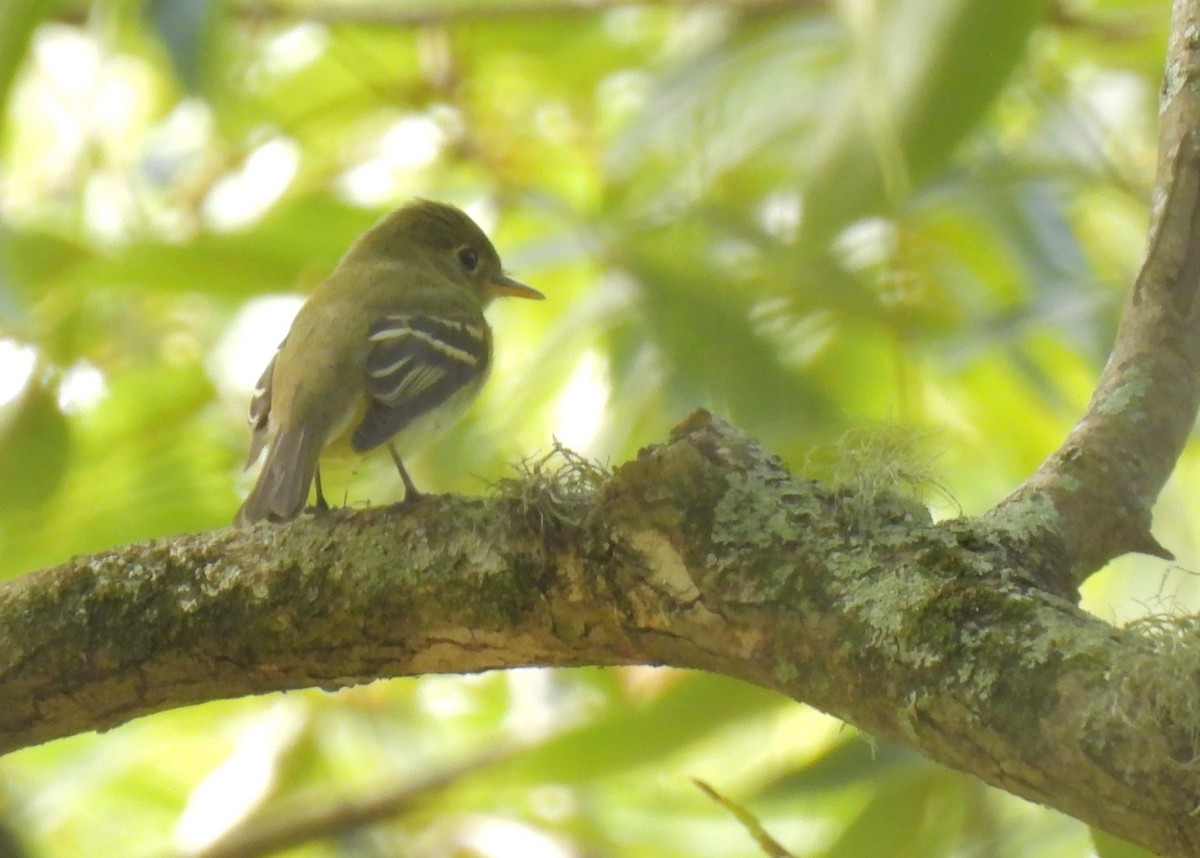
x: 388, y: 350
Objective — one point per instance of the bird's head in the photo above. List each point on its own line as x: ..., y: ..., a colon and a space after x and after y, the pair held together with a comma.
x: 448, y: 239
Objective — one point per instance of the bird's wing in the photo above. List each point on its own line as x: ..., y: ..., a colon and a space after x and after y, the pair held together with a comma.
x: 260, y: 409
x: 417, y: 362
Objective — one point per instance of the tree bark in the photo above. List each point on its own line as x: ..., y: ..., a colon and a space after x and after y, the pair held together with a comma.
x: 960, y: 639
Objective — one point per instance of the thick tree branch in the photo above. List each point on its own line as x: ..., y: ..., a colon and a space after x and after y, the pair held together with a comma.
x: 1094, y: 495
x: 703, y: 553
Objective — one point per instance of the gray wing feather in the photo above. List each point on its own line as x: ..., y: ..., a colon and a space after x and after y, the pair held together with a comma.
x: 417, y: 362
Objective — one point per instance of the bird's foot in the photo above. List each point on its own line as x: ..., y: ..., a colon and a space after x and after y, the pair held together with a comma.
x: 318, y: 508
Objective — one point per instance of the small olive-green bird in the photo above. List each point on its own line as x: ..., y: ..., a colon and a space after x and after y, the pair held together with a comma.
x: 388, y: 350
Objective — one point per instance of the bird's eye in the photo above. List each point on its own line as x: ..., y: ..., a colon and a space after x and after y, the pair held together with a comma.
x: 469, y: 258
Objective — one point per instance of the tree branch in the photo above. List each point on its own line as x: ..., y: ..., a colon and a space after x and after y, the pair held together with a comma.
x: 1093, y: 496
x: 704, y: 553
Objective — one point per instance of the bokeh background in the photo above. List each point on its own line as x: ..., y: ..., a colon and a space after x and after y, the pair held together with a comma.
x: 889, y: 238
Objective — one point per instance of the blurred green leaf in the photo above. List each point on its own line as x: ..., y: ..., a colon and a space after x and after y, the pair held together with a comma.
x: 852, y: 761
x: 630, y: 737
x: 913, y: 108
x: 183, y: 26
x: 725, y: 111
x: 144, y: 465
x: 18, y: 20
x: 293, y: 246
x: 916, y: 814
x: 1109, y: 846
x: 699, y: 314
x: 34, y: 452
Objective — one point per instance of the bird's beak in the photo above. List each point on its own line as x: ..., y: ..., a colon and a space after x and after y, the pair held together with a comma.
x: 506, y: 286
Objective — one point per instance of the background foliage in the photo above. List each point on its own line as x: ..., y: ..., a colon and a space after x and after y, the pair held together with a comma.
x: 823, y: 220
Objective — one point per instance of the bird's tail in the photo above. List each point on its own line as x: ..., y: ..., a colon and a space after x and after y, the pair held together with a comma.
x: 282, y: 487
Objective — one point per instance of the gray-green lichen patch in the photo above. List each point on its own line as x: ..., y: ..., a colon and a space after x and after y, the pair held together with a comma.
x: 1028, y: 518
x: 768, y: 532
x: 1055, y: 644
x: 1125, y: 399
x: 887, y: 602
x: 760, y: 510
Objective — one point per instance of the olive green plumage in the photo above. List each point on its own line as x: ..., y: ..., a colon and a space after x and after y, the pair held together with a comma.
x: 389, y: 349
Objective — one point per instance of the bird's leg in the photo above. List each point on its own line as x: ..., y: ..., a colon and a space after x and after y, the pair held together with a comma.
x: 321, y: 505
x: 411, y: 495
